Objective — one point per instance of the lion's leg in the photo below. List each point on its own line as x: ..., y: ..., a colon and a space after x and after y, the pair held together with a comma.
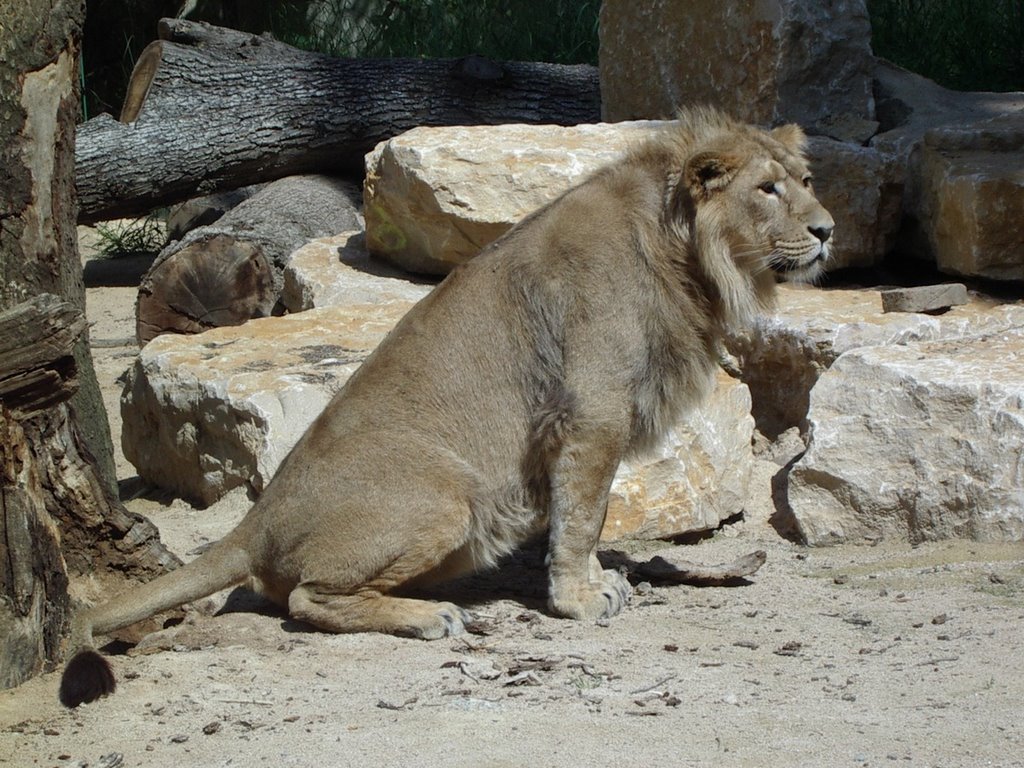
x: 356, y: 574
x: 581, y: 478
x: 375, y: 612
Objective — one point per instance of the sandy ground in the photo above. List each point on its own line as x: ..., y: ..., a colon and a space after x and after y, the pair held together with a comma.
x: 852, y: 656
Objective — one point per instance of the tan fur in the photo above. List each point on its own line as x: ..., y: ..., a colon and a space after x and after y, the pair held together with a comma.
x: 502, y: 404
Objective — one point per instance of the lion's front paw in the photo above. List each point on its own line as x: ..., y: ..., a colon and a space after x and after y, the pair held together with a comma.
x: 593, y: 599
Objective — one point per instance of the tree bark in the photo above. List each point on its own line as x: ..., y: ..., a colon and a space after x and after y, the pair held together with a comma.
x: 202, y: 211
x: 57, y: 504
x: 233, y: 270
x: 37, y: 363
x: 210, y: 108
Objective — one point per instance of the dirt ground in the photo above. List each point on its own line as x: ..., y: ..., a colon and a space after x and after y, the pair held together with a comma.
x: 851, y: 656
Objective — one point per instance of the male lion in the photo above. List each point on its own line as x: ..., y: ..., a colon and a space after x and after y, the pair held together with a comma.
x: 502, y: 404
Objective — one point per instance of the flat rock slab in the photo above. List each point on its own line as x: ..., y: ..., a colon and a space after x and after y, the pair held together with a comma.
x: 339, y: 271
x: 924, y: 298
x: 916, y: 442
x: 205, y: 414
x: 782, y: 360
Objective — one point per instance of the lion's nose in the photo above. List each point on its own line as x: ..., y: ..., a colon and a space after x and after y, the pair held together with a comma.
x: 822, y: 233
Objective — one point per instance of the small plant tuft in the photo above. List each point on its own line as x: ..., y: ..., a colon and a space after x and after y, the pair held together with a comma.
x: 121, y: 239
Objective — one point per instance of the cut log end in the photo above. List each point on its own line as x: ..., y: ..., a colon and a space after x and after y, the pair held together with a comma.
x: 213, y: 282
x: 140, y: 81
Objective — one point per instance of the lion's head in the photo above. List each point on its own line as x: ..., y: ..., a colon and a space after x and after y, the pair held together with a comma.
x: 743, y: 200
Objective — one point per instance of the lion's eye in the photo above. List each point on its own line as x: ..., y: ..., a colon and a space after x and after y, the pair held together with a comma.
x: 769, y: 188
x: 807, y: 181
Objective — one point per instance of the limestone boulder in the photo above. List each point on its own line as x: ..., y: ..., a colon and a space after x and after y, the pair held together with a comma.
x: 862, y: 189
x: 916, y: 442
x: 338, y: 271
x: 765, y: 62
x: 908, y: 106
x: 782, y: 359
x: 433, y: 197
x: 699, y: 477
x: 207, y: 413
x: 965, y: 199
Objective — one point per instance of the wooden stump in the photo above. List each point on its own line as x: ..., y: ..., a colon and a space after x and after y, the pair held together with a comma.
x: 58, y: 514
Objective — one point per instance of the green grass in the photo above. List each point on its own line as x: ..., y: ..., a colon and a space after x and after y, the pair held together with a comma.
x: 975, y: 45
x: 119, y: 239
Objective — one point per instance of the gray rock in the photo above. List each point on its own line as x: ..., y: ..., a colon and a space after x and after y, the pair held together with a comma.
x: 962, y: 181
x: 916, y: 442
x: 861, y: 189
x: 965, y: 198
x: 765, y: 62
x: 908, y: 106
x: 924, y: 298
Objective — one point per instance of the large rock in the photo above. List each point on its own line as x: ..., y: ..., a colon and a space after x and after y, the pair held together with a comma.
x: 697, y: 478
x: 963, y: 180
x: 783, y: 358
x: 765, y: 62
x: 204, y: 414
x: 862, y: 188
x: 916, y: 442
x: 908, y: 105
x: 435, y: 196
x: 338, y: 271
x: 965, y: 198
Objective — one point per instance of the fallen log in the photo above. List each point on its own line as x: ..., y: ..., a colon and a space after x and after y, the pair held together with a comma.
x: 200, y: 211
x: 233, y: 270
x: 210, y: 108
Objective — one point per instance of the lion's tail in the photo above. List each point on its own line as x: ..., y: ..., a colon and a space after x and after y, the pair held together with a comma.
x: 88, y: 675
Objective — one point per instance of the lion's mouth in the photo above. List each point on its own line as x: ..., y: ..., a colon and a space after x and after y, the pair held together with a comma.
x: 801, y: 269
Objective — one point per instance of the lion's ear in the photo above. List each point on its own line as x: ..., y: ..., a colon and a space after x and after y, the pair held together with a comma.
x: 708, y: 171
x: 792, y: 137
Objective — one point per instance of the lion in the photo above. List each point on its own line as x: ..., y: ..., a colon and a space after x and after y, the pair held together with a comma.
x: 500, y: 406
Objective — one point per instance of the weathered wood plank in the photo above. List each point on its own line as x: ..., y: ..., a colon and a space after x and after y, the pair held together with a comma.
x: 37, y: 364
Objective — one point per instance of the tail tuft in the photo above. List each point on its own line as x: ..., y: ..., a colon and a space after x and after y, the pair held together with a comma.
x: 87, y: 677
